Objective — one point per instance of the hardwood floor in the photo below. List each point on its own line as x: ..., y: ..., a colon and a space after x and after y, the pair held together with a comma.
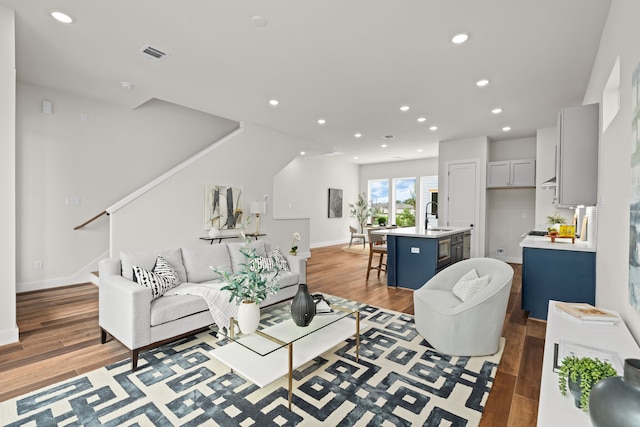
x: 60, y: 338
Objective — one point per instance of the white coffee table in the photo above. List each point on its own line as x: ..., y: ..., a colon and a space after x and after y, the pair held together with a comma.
x: 268, y: 354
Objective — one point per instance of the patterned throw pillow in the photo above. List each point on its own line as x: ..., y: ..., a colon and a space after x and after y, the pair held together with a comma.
x: 269, y: 262
x: 160, y: 280
x: 469, y: 285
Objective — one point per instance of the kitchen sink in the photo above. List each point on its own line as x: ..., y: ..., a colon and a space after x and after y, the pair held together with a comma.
x: 440, y: 229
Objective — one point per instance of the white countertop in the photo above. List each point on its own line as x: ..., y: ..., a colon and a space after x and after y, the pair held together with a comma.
x: 435, y: 233
x: 561, y: 243
x: 553, y: 408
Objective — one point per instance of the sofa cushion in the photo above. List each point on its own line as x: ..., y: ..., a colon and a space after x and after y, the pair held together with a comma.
x: 439, y: 298
x: 286, y: 279
x: 172, y: 307
x: 238, y: 257
x: 198, y: 261
x: 147, y: 260
x: 267, y: 263
x: 160, y: 280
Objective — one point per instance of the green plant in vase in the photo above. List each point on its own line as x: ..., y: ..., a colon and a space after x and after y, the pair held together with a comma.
x: 584, y: 373
x: 555, y: 220
x: 249, y: 286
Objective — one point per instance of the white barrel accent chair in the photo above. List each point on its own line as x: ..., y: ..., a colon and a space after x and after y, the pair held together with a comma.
x: 464, y: 328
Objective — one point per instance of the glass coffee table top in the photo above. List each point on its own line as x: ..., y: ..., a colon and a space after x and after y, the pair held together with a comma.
x: 277, y: 329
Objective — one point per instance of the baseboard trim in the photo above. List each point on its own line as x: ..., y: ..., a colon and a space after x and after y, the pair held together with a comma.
x: 83, y: 276
x: 508, y: 259
x: 9, y: 336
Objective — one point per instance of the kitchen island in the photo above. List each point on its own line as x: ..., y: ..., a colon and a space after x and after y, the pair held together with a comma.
x: 415, y: 257
x: 561, y: 271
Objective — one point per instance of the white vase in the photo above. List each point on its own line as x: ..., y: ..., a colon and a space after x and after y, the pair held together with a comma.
x: 214, y: 232
x: 248, y: 317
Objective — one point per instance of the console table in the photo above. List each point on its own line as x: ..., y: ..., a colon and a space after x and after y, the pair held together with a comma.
x: 233, y: 236
x: 553, y: 408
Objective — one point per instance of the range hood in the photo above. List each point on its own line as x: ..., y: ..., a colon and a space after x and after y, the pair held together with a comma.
x: 550, y: 183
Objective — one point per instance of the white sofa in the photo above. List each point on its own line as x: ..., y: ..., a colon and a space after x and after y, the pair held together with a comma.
x: 128, y: 313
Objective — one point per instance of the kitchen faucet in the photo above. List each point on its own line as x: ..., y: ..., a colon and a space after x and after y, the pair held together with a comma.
x: 426, y: 214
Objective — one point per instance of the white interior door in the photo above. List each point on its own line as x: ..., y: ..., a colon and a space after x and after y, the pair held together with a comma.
x: 463, y: 198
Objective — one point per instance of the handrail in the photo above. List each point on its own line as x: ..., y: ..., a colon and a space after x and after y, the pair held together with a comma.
x: 165, y: 176
x: 142, y: 190
x: 91, y: 220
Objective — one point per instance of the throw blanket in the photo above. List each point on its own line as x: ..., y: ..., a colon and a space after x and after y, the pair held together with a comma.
x: 217, y: 300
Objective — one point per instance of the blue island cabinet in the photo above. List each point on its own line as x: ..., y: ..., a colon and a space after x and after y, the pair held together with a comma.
x: 411, y: 261
x: 561, y: 275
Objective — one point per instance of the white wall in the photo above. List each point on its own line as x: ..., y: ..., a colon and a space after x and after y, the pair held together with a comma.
x: 172, y: 214
x: 510, y: 211
x: 546, y: 141
x: 620, y: 38
x: 471, y: 149
x: 8, y: 326
x: 301, y: 191
x: 100, y: 161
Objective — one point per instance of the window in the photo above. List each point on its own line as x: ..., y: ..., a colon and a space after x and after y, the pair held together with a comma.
x: 405, y: 205
x: 379, y: 198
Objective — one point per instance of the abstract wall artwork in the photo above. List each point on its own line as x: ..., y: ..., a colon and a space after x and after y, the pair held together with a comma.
x: 335, y: 203
x: 222, y: 207
x: 634, y: 208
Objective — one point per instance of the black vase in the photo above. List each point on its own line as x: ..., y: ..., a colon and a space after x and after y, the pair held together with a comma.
x: 303, y: 309
x: 614, y: 401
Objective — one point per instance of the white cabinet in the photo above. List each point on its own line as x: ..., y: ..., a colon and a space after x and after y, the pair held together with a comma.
x: 511, y: 173
x: 577, y: 160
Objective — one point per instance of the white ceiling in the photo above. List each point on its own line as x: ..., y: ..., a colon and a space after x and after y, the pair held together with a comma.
x: 353, y: 63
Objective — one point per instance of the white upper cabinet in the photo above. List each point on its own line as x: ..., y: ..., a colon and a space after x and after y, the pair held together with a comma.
x: 577, y: 161
x: 511, y: 173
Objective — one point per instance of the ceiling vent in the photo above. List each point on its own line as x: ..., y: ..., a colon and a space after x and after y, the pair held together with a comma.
x: 153, y: 52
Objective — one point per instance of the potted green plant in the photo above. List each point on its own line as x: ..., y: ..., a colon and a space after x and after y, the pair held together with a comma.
x: 555, y: 220
x: 579, y: 375
x: 361, y: 210
x: 382, y: 221
x: 249, y: 286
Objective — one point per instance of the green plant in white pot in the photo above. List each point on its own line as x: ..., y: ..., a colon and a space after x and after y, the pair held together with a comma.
x: 554, y: 221
x: 361, y: 210
x: 249, y: 286
x: 579, y: 375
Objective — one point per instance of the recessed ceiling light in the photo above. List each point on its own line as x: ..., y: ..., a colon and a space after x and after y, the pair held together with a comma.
x: 258, y: 21
x: 321, y: 121
x: 358, y: 135
x: 405, y: 108
x: 274, y: 102
x: 302, y: 153
x: 497, y: 110
x: 355, y: 157
x: 384, y: 146
x: 460, y: 38
x: 506, y: 128
x: 433, y: 128
x: 126, y: 85
x: 61, y: 17
x: 422, y: 119
x: 419, y: 150
x: 482, y: 83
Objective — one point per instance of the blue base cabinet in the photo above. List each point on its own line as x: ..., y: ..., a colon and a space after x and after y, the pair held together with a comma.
x: 549, y: 274
x: 411, y: 261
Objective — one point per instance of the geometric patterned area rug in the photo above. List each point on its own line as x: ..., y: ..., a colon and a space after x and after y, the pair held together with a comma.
x: 398, y: 381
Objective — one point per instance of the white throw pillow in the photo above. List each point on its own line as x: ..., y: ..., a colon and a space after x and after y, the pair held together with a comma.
x: 469, y: 285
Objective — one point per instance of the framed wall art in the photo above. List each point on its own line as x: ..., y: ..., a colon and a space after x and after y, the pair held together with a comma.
x: 222, y: 207
x: 335, y: 203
